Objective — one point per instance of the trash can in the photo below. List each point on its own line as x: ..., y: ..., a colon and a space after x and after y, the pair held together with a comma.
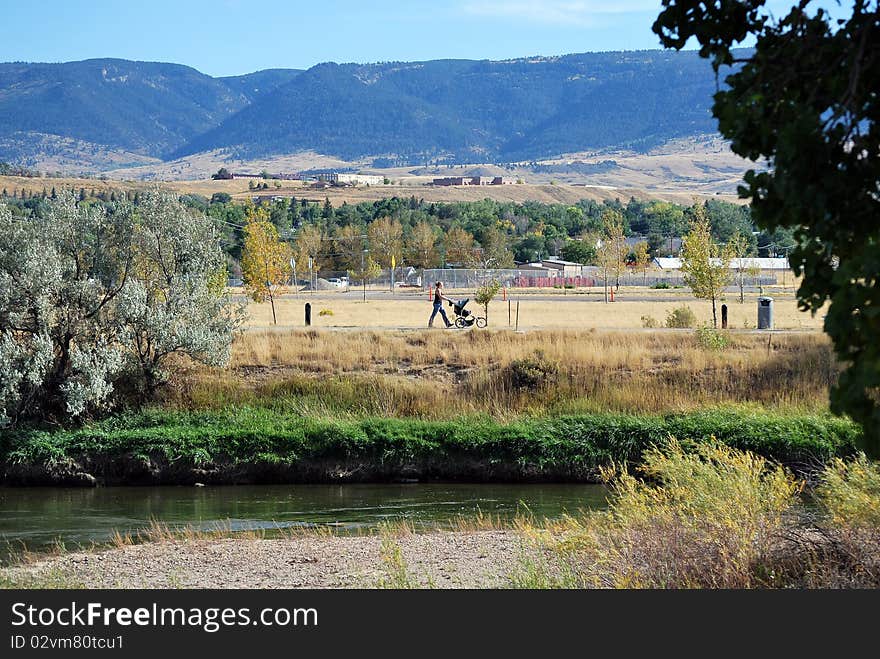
x: 765, y: 313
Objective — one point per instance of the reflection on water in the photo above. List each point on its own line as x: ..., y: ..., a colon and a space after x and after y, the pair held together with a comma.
x: 38, y: 517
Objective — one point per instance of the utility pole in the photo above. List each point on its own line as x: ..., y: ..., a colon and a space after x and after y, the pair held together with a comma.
x: 364, y: 273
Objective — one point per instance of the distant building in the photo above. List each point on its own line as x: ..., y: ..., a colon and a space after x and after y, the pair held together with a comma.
x: 563, y: 268
x: 537, y: 269
x: 274, y: 177
x: 452, y: 180
x: 470, y: 180
x: 762, y: 265
x: 351, y: 179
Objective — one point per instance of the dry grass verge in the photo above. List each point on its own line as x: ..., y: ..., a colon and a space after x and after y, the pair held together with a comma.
x: 429, y: 374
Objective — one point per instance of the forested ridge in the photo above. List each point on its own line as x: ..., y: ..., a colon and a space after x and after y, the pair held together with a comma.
x: 441, y: 111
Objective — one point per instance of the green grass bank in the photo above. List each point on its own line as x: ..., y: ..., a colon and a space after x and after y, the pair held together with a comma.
x: 258, y: 445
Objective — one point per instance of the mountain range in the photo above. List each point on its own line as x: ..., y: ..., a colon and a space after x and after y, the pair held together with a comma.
x: 525, y: 109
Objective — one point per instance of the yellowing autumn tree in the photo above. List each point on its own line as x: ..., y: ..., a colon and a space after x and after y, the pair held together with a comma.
x: 704, y: 263
x: 642, y: 259
x: 350, y: 246
x: 308, y: 244
x: 421, y: 246
x: 495, y: 252
x: 265, y: 260
x: 611, y: 252
x: 460, y: 247
x: 386, y: 241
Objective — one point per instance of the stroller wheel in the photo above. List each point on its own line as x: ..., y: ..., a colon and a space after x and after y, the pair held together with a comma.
x: 460, y: 323
x: 481, y: 322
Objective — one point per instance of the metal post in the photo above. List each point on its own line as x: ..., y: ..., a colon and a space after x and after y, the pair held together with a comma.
x: 364, y: 275
x: 517, y: 316
x: 508, y: 312
x: 308, y: 314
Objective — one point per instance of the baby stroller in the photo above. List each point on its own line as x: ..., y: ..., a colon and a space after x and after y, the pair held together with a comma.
x: 464, y: 318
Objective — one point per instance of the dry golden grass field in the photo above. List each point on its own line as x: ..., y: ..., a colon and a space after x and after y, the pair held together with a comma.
x: 435, y: 373
x: 576, y: 310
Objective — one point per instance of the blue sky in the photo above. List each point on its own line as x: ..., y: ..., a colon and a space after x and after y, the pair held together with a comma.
x: 229, y: 37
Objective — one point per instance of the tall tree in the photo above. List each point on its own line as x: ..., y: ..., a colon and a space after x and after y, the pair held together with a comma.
x: 740, y: 248
x: 422, y: 246
x: 327, y: 213
x: 350, y: 245
x: 705, y: 264
x: 613, y: 249
x: 293, y: 214
x: 496, y: 253
x: 308, y: 245
x: 265, y: 260
x: 642, y: 259
x: 386, y: 240
x: 460, y: 248
x: 580, y: 251
x: 805, y: 100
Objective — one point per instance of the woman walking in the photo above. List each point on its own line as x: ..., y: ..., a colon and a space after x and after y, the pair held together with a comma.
x: 438, y: 305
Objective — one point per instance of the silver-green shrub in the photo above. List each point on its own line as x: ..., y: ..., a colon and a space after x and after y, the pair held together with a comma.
x: 95, y: 299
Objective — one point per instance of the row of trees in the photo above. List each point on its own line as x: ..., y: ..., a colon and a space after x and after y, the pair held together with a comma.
x: 529, y: 231
x: 427, y: 244
x: 469, y: 234
x: 268, y: 262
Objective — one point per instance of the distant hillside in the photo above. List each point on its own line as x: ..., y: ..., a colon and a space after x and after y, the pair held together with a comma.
x: 476, y: 111
x: 253, y: 85
x: 143, y: 107
x: 404, y: 113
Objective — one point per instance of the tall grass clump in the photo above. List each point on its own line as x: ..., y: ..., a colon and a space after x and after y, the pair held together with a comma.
x: 844, y: 551
x: 850, y: 492
x: 710, y: 517
x: 713, y: 516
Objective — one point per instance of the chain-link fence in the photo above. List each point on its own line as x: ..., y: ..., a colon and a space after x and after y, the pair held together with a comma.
x: 461, y: 278
x: 588, y: 276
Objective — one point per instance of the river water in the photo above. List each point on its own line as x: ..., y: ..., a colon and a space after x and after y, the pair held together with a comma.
x: 37, y: 518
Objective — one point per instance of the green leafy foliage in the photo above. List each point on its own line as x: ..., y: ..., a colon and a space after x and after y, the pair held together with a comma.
x: 806, y: 101
x: 709, y: 338
x: 486, y: 293
x: 681, y: 317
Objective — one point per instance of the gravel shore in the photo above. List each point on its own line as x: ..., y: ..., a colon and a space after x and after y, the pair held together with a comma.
x: 481, y: 559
